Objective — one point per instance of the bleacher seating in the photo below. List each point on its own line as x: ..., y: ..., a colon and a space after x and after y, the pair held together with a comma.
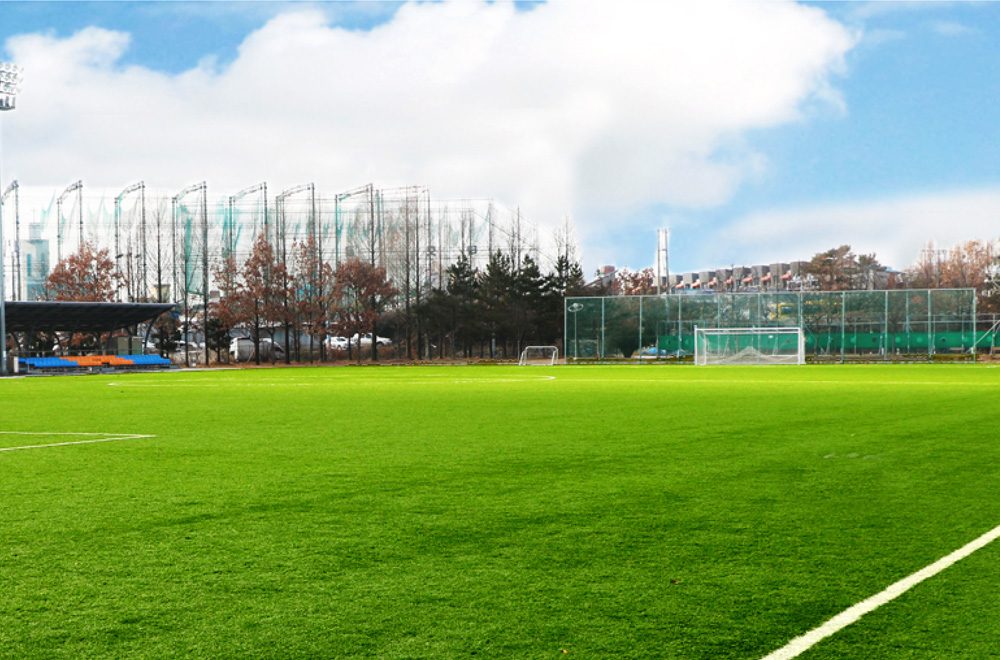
x: 91, y: 362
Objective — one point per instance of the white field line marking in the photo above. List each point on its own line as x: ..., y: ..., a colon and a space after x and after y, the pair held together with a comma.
x: 324, y: 382
x: 850, y: 615
x: 790, y: 383
x: 106, y: 437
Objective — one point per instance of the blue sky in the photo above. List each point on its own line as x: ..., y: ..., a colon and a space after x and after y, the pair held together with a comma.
x: 921, y: 116
x: 885, y: 140
x: 175, y: 36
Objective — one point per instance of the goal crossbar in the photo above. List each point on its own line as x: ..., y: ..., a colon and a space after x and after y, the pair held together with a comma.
x: 750, y: 345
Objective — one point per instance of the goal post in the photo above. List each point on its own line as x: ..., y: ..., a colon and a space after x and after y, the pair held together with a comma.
x: 543, y: 356
x: 767, y: 345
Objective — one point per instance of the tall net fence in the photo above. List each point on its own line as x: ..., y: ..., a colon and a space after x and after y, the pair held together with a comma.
x: 892, y: 325
x: 166, y: 246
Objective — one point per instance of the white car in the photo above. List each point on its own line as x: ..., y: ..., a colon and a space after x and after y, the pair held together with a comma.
x: 242, y: 349
x: 366, y: 340
x: 337, y: 343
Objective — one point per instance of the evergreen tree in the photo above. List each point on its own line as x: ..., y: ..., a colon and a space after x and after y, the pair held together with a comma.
x: 528, y: 299
x: 463, y: 289
x: 496, y: 286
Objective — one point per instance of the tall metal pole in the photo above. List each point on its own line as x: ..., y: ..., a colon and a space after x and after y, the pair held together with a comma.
x: 204, y: 262
x: 173, y: 248
x: 143, y: 276
x: 371, y: 217
x: 227, y: 235
x: 59, y: 228
x: 159, y: 254
x: 416, y: 267
x: 318, y: 228
x: 79, y: 204
x: 187, y: 256
x: 261, y: 188
x: 118, y: 250
x: 264, y: 189
x: 141, y: 288
x: 17, y: 240
x: 336, y: 231
x: 76, y: 187
x: 10, y: 79
x: 16, y: 264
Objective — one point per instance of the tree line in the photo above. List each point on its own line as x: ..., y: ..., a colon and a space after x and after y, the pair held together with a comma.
x: 491, y: 312
x: 968, y: 265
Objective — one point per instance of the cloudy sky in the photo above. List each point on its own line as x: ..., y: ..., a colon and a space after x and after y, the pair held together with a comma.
x: 757, y: 131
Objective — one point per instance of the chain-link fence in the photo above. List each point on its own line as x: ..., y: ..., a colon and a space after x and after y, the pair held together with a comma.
x: 838, y: 325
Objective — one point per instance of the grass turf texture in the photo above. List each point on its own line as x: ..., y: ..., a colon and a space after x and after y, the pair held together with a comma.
x: 494, y: 511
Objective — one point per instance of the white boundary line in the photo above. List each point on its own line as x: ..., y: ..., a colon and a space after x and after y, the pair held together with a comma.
x: 106, y: 437
x: 804, y: 642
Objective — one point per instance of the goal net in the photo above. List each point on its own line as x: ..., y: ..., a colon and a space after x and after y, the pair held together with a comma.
x: 539, y: 356
x: 749, y: 346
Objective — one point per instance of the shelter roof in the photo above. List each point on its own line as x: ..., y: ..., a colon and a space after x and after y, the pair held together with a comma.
x: 79, y: 316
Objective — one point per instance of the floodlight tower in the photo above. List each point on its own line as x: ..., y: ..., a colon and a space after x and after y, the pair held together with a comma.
x: 76, y: 187
x: 10, y: 81
x: 141, y: 188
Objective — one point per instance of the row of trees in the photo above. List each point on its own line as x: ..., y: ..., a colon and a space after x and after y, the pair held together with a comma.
x: 972, y: 265
x: 307, y: 298
x: 491, y: 312
x: 497, y: 311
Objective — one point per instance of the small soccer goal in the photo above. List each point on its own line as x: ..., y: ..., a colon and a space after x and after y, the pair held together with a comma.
x: 749, y: 346
x: 539, y: 356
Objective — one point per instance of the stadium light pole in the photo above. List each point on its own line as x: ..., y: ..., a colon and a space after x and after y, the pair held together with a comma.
x: 10, y: 79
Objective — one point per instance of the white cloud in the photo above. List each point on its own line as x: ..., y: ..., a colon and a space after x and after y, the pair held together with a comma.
x: 879, y: 36
x: 895, y: 229
x: 591, y: 108
x: 878, y: 8
x: 952, y: 29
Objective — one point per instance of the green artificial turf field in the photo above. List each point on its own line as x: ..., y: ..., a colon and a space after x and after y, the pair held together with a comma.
x: 407, y: 512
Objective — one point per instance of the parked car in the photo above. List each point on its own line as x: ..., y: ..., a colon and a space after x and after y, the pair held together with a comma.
x: 241, y: 349
x: 337, y: 343
x: 366, y: 340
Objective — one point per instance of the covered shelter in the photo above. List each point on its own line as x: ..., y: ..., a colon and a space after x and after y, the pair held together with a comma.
x: 27, y: 320
x: 83, y: 317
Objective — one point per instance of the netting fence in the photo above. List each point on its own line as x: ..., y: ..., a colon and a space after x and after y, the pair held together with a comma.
x: 838, y: 325
x: 167, y: 246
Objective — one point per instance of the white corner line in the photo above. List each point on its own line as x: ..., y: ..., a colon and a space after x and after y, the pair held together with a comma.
x: 109, y: 438
x: 804, y: 642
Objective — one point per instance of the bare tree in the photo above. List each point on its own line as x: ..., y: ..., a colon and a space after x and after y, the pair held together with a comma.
x: 311, y: 284
x: 362, y: 291
x: 261, y: 289
x: 87, y: 275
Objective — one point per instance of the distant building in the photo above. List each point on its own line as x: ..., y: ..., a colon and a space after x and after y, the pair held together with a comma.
x: 34, y: 264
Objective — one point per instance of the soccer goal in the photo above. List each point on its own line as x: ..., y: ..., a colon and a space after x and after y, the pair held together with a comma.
x: 749, y: 346
x: 538, y: 356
